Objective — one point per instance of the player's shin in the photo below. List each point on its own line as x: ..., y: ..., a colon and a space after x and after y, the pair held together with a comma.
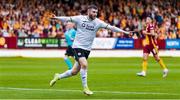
x: 86, y: 90
x: 144, y: 69
x: 144, y: 66
x: 66, y: 74
x: 83, y: 73
x: 163, y: 66
x: 68, y: 62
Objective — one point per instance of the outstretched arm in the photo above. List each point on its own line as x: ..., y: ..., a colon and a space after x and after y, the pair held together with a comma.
x: 113, y: 28
x: 116, y: 29
x: 65, y: 18
x: 62, y: 18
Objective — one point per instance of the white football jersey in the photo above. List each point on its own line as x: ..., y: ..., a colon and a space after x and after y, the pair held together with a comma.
x: 86, y: 31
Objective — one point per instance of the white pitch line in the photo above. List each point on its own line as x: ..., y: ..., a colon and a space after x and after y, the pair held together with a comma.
x: 108, y: 92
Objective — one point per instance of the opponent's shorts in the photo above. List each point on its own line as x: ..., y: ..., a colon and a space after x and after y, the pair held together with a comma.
x: 150, y: 48
x: 78, y: 52
x: 69, y: 51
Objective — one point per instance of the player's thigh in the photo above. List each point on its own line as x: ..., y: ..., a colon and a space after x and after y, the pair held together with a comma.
x: 76, y: 68
x: 146, y: 52
x: 154, y: 51
x: 146, y: 49
x: 81, y: 56
x: 83, y: 62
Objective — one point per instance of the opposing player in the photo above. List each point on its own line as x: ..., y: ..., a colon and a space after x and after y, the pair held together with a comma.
x: 150, y: 45
x: 69, y: 36
x: 87, y: 26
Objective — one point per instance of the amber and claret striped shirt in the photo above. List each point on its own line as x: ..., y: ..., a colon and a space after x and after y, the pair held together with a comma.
x: 149, y: 39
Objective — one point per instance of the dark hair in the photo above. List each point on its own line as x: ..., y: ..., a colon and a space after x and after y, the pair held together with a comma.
x: 92, y: 6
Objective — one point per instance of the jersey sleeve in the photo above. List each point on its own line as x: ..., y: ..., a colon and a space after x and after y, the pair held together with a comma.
x: 65, y: 18
x: 62, y: 18
x: 103, y: 24
x: 110, y: 27
x: 75, y: 19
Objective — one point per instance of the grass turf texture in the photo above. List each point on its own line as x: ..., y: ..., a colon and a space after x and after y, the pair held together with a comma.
x: 109, y: 78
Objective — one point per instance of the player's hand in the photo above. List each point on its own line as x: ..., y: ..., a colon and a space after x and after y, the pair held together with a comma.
x: 52, y: 16
x: 128, y: 32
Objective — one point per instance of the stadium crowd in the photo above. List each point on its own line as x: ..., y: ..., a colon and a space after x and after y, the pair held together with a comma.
x: 30, y: 18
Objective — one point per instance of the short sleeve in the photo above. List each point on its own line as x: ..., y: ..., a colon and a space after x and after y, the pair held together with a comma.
x: 103, y: 24
x: 75, y: 18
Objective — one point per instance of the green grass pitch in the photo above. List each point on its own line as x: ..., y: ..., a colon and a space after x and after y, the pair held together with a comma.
x: 109, y: 78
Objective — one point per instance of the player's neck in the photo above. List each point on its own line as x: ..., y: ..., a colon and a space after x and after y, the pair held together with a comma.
x: 89, y: 18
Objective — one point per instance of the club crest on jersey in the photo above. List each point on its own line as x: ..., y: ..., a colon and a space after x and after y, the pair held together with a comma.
x: 88, y: 27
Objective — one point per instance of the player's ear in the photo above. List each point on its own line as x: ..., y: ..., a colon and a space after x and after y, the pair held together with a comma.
x: 89, y: 10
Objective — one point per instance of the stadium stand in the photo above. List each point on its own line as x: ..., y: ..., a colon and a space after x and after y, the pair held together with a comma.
x: 29, y: 18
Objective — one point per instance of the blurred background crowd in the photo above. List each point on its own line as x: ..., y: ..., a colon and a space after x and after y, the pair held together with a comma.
x: 30, y: 18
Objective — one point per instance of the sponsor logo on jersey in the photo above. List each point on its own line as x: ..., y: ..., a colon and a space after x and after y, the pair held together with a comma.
x: 88, y: 26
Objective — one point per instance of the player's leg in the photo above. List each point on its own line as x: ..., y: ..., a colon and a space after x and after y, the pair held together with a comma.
x: 144, y: 65
x: 68, y: 53
x: 83, y: 71
x: 68, y: 73
x: 72, y: 72
x: 163, y: 66
x: 146, y: 52
x: 68, y: 62
x: 82, y: 56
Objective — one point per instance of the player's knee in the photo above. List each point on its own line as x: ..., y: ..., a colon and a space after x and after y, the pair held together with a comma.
x: 157, y: 58
x: 74, y: 73
x: 84, y: 65
x: 145, y: 58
